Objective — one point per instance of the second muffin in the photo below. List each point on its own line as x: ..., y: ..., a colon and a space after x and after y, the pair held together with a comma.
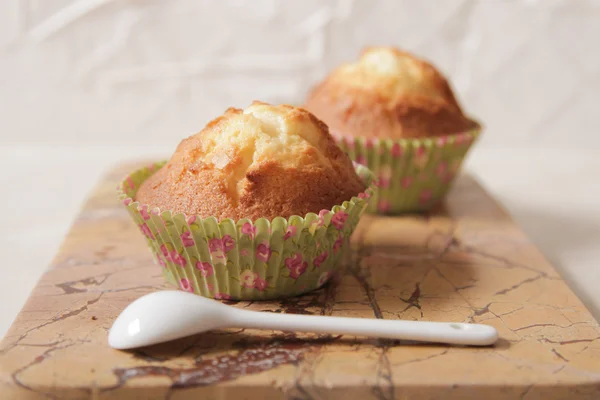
x: 398, y: 115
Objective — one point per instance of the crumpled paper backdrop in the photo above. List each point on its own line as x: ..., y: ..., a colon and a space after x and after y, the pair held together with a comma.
x: 106, y: 71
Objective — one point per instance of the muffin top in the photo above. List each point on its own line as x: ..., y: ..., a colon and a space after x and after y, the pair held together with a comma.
x: 388, y: 93
x: 264, y: 161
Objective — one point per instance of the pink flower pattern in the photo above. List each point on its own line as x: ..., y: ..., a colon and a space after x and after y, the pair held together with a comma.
x: 173, y: 256
x: 127, y: 201
x: 248, y: 229
x: 228, y: 243
x: 164, y: 250
x: 337, y: 245
x: 144, y: 212
x: 222, y: 296
x: 396, y: 150
x: 339, y: 219
x: 191, y: 219
x: 296, y: 265
x: 205, y: 268
x: 146, y: 231
x: 263, y: 252
x: 260, y: 284
x: 218, y: 247
x: 406, y: 182
x: 177, y: 258
x: 321, y: 220
x: 361, y: 160
x: 186, y: 239
x: 186, y: 285
x: 291, y: 231
x: 215, y: 245
x: 384, y: 206
x: 320, y: 259
x: 363, y: 195
x: 252, y: 280
x: 248, y: 278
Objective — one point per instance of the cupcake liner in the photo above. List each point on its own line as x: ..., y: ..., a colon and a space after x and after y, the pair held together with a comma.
x: 246, y: 260
x: 412, y: 174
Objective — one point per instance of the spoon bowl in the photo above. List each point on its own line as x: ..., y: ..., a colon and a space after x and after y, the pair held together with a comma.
x: 167, y: 315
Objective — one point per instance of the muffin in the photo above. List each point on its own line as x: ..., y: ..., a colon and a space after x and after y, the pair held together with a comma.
x: 261, y: 162
x: 258, y: 205
x: 398, y: 115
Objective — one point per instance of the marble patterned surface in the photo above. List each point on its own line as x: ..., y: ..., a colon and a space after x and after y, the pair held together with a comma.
x: 467, y: 261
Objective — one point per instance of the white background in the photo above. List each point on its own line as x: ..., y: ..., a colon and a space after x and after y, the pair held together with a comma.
x: 86, y: 83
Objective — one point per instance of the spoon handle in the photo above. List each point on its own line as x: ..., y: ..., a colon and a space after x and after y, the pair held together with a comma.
x: 423, y: 331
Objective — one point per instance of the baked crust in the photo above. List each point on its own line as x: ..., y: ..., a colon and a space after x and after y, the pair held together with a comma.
x: 264, y: 161
x: 388, y: 93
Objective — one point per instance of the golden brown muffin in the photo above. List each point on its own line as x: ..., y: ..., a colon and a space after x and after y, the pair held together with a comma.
x: 388, y: 93
x: 264, y: 161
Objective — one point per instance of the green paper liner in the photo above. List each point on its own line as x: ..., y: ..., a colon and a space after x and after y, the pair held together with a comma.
x: 246, y: 260
x: 412, y: 174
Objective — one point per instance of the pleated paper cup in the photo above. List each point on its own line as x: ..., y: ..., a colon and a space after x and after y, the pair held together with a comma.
x: 246, y: 260
x: 412, y: 174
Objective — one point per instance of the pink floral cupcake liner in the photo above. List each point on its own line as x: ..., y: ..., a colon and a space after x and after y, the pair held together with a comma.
x: 412, y: 174
x: 246, y: 260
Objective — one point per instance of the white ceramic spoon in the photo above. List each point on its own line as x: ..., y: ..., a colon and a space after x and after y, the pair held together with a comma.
x: 162, y: 316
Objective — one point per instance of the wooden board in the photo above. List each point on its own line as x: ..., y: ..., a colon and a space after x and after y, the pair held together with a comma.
x: 467, y: 261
